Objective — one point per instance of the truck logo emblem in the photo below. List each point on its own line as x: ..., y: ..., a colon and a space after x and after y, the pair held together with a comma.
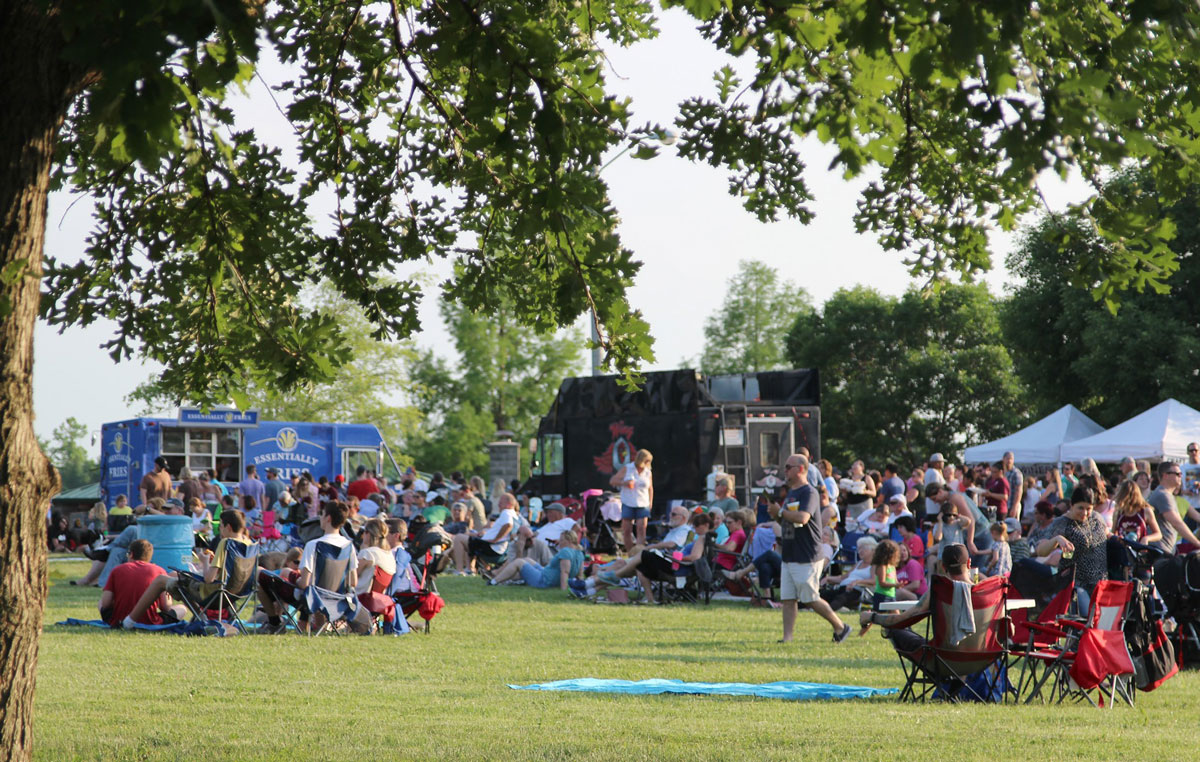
x: 620, y: 450
x: 118, y: 442
x: 287, y: 439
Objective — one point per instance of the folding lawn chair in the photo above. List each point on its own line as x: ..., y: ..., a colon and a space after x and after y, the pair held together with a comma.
x: 1089, y: 655
x: 272, y: 539
x: 688, y: 583
x: 378, y: 603
x: 330, y: 592
x: 940, y: 668
x: 413, y: 595
x: 1026, y: 640
x: 225, y: 600
x: 487, y: 561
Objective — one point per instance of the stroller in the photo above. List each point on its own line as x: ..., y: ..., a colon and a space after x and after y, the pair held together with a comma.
x: 412, y: 594
x: 599, y: 530
x: 428, y: 544
x: 1178, y: 581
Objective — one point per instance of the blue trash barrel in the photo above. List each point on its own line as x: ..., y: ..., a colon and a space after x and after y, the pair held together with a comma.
x: 171, y: 537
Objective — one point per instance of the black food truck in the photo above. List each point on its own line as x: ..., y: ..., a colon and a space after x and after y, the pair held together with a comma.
x: 747, y: 423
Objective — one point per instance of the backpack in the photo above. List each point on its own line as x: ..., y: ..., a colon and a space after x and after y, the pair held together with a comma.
x: 1152, y: 652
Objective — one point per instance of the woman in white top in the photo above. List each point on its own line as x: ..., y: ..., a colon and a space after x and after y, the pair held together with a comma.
x: 374, y: 555
x: 201, y: 518
x: 843, y: 590
x: 1033, y: 493
x: 637, y: 495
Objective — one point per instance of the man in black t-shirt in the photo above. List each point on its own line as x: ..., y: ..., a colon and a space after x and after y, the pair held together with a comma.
x: 800, y: 523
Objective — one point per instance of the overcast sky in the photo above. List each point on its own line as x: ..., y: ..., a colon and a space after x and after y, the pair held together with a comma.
x: 677, y: 217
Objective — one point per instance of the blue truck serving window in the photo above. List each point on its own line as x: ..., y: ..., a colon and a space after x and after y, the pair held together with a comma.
x: 129, y: 448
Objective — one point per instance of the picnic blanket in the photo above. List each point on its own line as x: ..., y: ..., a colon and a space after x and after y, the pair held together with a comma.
x: 795, y: 691
x: 177, y: 628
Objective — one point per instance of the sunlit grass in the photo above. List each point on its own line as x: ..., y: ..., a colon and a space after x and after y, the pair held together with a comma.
x: 136, y: 696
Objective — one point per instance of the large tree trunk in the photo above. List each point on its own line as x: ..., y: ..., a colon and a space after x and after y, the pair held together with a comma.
x: 33, y: 97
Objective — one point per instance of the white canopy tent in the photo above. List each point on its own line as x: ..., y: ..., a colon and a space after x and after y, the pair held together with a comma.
x: 1038, y: 442
x: 1160, y: 433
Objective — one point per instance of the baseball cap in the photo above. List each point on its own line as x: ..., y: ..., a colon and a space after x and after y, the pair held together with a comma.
x: 1012, y: 525
x: 556, y: 506
x: 898, y: 498
x: 174, y: 501
x: 936, y: 458
x: 161, y: 462
x: 272, y: 470
x: 339, y: 478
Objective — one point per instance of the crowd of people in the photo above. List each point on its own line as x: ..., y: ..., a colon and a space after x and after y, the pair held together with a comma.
x: 824, y: 540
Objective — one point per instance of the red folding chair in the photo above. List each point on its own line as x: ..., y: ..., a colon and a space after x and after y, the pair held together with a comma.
x: 377, y: 601
x: 421, y: 597
x: 1027, y: 640
x: 940, y: 668
x: 1089, y: 655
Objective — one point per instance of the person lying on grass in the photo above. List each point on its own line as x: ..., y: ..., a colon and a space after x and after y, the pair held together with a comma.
x: 105, y: 559
x: 564, y: 566
x: 655, y: 564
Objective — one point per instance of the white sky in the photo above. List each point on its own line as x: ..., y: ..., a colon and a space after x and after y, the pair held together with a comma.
x: 677, y: 217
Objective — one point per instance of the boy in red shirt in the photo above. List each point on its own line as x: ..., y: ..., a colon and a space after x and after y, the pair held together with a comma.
x: 126, y: 584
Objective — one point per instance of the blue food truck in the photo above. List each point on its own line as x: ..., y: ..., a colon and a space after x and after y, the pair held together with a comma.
x: 229, y: 440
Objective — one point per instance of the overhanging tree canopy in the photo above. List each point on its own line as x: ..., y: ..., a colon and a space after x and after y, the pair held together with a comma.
x: 474, y: 130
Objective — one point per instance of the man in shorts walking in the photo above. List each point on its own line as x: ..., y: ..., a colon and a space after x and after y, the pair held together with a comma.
x: 800, y: 521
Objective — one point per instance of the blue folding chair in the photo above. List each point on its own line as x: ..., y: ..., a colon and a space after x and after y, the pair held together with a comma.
x: 236, y: 586
x: 330, y: 593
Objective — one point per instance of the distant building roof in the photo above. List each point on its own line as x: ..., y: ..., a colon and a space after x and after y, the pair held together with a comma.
x: 88, y: 493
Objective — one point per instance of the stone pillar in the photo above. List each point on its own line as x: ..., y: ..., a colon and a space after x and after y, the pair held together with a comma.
x: 505, y: 457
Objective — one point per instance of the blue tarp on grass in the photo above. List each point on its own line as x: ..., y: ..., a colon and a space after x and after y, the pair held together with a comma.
x: 794, y: 691
x: 178, y: 628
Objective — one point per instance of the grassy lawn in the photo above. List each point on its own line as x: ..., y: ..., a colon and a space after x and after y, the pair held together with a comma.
x: 126, y: 696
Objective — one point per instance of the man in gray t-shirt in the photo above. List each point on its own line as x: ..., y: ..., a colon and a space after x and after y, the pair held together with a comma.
x: 1016, y: 484
x: 1163, y: 502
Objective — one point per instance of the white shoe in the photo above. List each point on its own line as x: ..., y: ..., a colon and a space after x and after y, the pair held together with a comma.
x: 128, y: 623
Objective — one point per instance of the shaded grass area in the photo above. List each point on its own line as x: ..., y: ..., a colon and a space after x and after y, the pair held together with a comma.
x: 137, y: 696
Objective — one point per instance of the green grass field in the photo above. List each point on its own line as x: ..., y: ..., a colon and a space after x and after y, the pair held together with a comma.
x: 136, y: 696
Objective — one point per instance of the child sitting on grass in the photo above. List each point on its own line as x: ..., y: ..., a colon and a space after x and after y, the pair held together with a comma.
x: 883, y: 571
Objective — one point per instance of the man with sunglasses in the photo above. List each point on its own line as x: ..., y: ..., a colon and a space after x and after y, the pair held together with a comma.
x: 800, y: 521
x: 1170, y: 475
